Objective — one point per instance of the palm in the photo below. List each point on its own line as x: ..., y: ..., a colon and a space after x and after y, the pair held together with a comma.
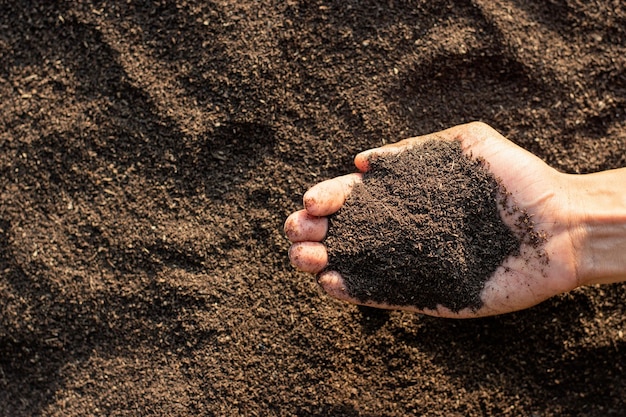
x: 545, y: 265
x: 541, y: 270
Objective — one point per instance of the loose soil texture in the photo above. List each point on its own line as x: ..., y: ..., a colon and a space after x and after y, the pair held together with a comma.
x: 422, y: 229
x: 150, y: 152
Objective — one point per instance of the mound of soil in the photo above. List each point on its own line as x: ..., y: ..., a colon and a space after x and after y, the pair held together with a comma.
x: 423, y: 228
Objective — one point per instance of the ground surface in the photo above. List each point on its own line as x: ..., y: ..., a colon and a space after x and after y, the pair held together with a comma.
x: 151, y: 150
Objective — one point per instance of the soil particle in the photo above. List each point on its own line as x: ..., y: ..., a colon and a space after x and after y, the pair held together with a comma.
x: 423, y: 229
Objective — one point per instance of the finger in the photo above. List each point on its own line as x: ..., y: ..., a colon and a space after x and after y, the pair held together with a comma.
x: 454, y: 133
x: 328, y: 196
x: 332, y: 283
x: 363, y: 159
x: 301, y: 226
x: 308, y: 256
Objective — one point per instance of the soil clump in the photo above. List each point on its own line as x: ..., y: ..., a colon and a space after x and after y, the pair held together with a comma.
x: 422, y: 229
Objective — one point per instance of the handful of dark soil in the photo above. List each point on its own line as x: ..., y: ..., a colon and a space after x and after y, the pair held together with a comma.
x: 422, y: 229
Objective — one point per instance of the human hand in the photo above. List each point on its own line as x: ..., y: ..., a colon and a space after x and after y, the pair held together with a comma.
x: 524, y: 279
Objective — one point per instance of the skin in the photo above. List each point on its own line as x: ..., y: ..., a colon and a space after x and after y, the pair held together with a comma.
x: 582, y: 216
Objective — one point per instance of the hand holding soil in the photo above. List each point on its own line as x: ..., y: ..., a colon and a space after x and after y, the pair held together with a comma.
x: 473, y: 226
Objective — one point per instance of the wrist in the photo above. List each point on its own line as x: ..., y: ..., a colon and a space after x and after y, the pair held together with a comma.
x: 598, y: 226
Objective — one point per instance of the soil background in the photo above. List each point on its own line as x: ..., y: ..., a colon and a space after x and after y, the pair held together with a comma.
x: 151, y: 151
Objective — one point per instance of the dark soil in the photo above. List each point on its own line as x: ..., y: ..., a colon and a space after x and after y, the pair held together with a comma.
x: 150, y: 152
x: 422, y: 229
